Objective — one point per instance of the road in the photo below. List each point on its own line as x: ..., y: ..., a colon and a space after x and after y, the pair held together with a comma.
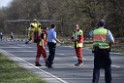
x: 64, y: 61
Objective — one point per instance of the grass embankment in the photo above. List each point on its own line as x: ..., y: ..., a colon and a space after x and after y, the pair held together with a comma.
x: 12, y: 73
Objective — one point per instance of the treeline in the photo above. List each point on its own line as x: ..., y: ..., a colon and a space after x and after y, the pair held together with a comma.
x: 84, y: 12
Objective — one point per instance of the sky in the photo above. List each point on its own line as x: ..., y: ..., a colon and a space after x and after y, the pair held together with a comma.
x: 4, y: 3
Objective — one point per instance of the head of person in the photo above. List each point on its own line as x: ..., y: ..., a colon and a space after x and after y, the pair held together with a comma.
x: 52, y: 26
x: 101, y: 23
x: 35, y: 20
x: 76, y: 27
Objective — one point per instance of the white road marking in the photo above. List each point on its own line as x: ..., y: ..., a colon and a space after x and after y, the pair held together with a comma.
x: 19, y: 59
x: 24, y: 46
x: 21, y: 45
x: 15, y: 47
x: 68, y: 46
x: 60, y: 53
x: 21, y: 51
x: 116, y: 53
x: 116, y: 66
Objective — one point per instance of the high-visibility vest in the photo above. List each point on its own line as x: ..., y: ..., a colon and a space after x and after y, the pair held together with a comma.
x: 36, y: 32
x: 100, y: 38
x: 42, y: 37
x: 78, y: 38
x: 41, y: 42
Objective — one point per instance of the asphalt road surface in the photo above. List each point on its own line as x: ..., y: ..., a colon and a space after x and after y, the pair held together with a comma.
x: 64, y: 61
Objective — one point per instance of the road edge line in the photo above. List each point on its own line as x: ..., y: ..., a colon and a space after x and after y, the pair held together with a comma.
x: 17, y: 58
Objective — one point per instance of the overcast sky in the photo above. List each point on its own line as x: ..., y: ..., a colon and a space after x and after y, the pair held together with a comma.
x: 4, y: 2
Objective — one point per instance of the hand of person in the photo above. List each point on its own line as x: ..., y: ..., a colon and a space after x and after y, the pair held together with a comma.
x: 44, y: 47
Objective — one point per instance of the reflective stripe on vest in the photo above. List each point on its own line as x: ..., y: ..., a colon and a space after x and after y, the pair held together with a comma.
x: 75, y: 34
x: 100, y: 40
x: 79, y: 45
x: 41, y: 43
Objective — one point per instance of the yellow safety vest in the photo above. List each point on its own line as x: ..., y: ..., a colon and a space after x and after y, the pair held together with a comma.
x: 75, y: 35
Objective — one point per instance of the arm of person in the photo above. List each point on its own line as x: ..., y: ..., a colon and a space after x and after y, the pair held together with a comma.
x: 43, y: 44
x: 54, y: 35
x: 110, y: 37
x: 58, y: 40
x: 91, y: 33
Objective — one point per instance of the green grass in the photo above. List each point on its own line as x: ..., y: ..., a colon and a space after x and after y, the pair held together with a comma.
x: 117, y: 50
x: 113, y: 49
x: 12, y: 73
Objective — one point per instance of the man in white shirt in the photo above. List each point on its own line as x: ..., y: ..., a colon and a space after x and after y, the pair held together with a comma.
x: 52, y: 39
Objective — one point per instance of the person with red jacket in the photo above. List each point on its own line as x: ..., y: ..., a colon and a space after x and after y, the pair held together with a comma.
x: 44, y: 31
x: 78, y: 43
x: 41, y: 50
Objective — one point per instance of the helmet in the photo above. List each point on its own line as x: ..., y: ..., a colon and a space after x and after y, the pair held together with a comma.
x: 35, y: 20
x: 31, y: 25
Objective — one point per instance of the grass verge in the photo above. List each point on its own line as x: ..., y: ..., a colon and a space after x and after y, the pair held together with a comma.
x: 10, y: 72
x: 117, y: 50
x: 113, y: 49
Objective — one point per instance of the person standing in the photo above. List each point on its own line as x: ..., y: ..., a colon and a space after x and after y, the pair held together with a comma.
x: 52, y: 39
x: 78, y: 43
x: 11, y: 35
x: 1, y: 35
x: 44, y: 30
x: 34, y: 31
x: 41, y: 50
x: 30, y: 33
x: 102, y: 40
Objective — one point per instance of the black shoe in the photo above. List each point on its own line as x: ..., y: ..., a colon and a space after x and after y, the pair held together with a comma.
x: 26, y: 42
x: 78, y: 64
x: 38, y: 65
x: 49, y: 66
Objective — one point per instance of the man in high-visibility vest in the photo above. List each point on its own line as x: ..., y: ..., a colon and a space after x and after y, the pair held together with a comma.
x: 37, y: 30
x: 78, y: 43
x: 33, y: 31
x: 102, y: 40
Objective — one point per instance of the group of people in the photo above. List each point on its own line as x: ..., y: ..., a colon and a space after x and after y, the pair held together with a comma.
x: 44, y: 37
x: 102, y: 40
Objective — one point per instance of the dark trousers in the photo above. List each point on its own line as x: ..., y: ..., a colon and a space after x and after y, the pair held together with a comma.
x: 51, y: 47
x: 102, y: 61
x: 1, y: 37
